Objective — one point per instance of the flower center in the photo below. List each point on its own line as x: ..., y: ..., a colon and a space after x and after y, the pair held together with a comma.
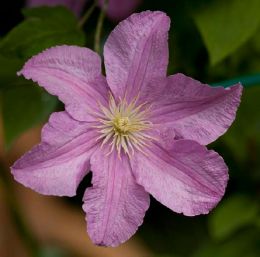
x: 124, y: 126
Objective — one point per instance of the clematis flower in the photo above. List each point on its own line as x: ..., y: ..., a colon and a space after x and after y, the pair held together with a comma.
x: 117, y: 9
x: 75, y: 6
x: 138, y: 131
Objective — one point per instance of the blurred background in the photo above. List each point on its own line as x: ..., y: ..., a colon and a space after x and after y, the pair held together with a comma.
x: 214, y: 41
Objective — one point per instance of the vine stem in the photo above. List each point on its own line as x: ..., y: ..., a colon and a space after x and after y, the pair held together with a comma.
x: 87, y: 14
x: 99, y: 27
x: 246, y: 81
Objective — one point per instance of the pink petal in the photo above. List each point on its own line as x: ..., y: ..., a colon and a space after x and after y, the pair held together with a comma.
x: 75, y: 6
x: 191, y: 109
x: 115, y: 206
x: 137, y: 51
x: 120, y: 9
x: 188, y: 179
x: 57, y: 165
x: 73, y: 74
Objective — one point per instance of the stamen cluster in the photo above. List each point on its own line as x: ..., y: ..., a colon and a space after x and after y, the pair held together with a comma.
x: 124, y: 125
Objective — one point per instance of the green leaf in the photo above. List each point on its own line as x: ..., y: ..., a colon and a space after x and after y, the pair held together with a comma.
x: 244, y: 244
x: 23, y: 106
x: 232, y: 214
x: 256, y: 41
x: 9, y: 67
x: 42, y: 28
x: 244, y: 139
x: 226, y: 25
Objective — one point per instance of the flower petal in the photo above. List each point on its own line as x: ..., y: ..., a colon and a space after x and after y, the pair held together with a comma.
x: 115, y: 206
x: 188, y: 179
x: 58, y: 164
x: 136, y: 51
x: 73, y: 74
x: 191, y: 109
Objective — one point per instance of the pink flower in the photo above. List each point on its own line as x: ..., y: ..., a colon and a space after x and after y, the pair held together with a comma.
x: 137, y: 130
x: 75, y: 6
x: 117, y: 9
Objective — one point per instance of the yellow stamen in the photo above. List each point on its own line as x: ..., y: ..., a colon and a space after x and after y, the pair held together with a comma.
x: 124, y: 126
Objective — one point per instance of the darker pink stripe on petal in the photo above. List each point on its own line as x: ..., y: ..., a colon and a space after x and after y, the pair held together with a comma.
x: 191, y: 109
x: 58, y: 164
x: 115, y: 205
x: 73, y: 74
x: 187, y: 178
x: 137, y: 51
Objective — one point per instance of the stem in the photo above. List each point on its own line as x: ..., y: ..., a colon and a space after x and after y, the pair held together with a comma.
x: 25, y: 234
x: 246, y: 81
x: 99, y: 27
x: 87, y: 14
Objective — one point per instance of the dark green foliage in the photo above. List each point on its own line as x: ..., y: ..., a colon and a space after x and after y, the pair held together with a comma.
x: 226, y: 25
x: 42, y: 28
x: 23, y: 104
x: 232, y: 214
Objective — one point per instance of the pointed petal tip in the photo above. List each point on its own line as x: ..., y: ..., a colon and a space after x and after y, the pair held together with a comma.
x: 137, y: 51
x: 19, y: 73
x: 114, y: 215
x: 239, y: 90
x: 238, y: 86
x: 159, y: 15
x: 24, y: 72
x: 191, y: 119
x: 188, y: 179
x: 237, y: 94
x: 105, y: 241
